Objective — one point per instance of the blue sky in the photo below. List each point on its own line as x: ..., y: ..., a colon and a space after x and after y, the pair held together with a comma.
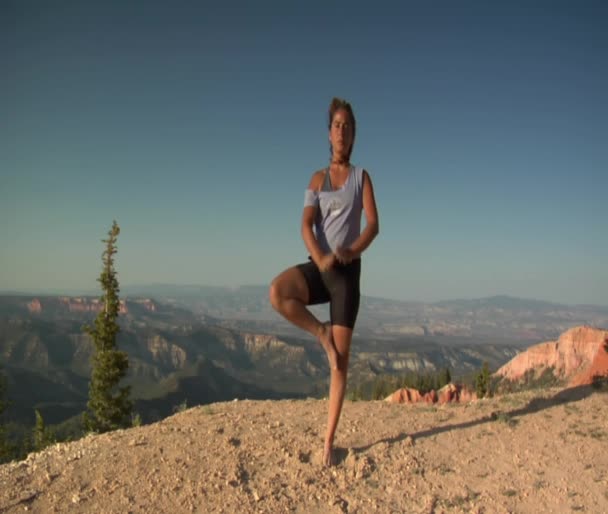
x: 196, y: 126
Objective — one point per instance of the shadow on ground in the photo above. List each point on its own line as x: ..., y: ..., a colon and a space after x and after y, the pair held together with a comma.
x: 565, y: 396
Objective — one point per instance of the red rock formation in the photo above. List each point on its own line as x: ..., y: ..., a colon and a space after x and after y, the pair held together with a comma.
x: 34, y: 306
x: 451, y: 393
x: 405, y: 395
x: 599, y: 366
x: 447, y: 394
x: 576, y: 356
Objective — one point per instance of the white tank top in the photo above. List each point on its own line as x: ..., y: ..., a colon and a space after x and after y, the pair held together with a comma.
x: 338, y: 215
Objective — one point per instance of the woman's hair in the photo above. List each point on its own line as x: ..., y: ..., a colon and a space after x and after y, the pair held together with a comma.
x: 335, y: 105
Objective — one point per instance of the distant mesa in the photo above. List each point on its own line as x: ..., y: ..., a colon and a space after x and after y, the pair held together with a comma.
x: 84, y: 304
x: 576, y: 357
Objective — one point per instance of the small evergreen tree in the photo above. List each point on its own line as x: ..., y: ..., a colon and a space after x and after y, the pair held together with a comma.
x: 3, y: 401
x: 136, y: 420
x: 381, y: 388
x: 445, y: 378
x: 109, y: 406
x: 482, y: 381
x: 377, y: 388
x: 42, y: 436
x: 6, y: 451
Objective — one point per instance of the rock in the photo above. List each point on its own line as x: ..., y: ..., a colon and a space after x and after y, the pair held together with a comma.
x: 405, y: 395
x: 455, y: 393
x: 447, y: 394
x: 364, y: 468
x: 576, y: 356
x: 341, y: 503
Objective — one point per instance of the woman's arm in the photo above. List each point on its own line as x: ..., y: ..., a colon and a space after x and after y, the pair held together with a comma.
x: 323, y: 261
x: 372, y: 226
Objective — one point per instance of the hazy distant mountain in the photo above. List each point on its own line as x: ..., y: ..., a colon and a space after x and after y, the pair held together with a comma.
x: 496, y: 319
x: 179, y: 355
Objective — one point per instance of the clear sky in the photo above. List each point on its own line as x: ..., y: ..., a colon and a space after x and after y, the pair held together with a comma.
x: 197, y: 125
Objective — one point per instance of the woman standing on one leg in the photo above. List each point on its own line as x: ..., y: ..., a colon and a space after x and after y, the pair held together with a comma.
x: 331, y: 230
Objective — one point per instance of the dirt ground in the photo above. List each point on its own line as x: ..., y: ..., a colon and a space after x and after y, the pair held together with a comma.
x: 535, y: 452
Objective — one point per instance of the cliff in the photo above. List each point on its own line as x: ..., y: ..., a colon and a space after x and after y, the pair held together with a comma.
x: 84, y: 304
x: 576, y: 356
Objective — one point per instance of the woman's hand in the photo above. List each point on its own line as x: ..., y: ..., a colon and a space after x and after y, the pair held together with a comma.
x: 326, y: 262
x: 345, y: 255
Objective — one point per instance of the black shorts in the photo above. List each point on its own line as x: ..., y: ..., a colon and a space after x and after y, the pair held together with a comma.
x: 339, y: 286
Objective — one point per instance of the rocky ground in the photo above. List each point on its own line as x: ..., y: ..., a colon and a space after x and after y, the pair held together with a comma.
x: 529, y: 452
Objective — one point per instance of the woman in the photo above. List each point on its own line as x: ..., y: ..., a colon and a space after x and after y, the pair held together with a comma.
x: 333, y: 203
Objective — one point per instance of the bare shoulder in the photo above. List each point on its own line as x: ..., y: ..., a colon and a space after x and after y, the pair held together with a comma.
x: 316, y: 181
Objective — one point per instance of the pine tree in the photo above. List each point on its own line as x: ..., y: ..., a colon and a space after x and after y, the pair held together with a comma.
x: 6, y: 450
x: 381, y: 388
x: 482, y: 381
x: 42, y: 436
x: 445, y: 378
x: 3, y: 401
x: 109, y: 406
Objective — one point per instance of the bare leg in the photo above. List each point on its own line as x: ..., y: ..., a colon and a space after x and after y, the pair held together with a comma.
x: 289, y: 297
x: 337, y: 388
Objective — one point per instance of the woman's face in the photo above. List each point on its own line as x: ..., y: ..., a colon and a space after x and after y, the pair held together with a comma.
x: 341, y: 134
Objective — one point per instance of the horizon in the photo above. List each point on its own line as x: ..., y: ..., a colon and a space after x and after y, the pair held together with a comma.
x: 197, y: 127
x: 90, y: 293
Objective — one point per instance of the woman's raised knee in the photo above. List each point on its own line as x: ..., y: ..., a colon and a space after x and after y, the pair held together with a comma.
x: 274, y: 293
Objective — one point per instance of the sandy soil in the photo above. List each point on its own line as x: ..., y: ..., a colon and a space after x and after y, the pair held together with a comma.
x: 530, y: 452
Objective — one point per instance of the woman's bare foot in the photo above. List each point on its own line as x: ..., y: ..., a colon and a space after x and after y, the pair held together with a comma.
x: 327, y: 341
